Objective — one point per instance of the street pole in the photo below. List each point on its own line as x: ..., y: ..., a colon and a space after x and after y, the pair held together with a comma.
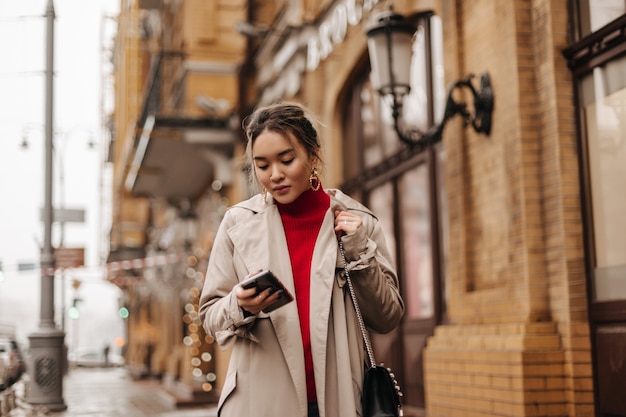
x: 46, y: 343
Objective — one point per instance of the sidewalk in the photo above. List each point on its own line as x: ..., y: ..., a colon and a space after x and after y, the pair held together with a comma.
x: 110, y: 392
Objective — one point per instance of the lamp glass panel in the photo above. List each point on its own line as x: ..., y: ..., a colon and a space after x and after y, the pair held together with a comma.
x: 379, y: 60
x: 401, y: 54
x: 423, y: 107
x: 415, y: 105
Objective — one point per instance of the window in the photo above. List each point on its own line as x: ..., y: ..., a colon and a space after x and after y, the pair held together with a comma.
x: 598, y: 64
x: 603, y: 113
x: 595, y: 14
x: 399, y: 184
x: 415, y: 206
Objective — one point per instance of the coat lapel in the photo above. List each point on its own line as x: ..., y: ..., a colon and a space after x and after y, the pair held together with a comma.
x: 260, y: 242
x: 322, y: 282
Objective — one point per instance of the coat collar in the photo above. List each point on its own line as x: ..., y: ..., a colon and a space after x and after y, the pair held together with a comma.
x: 339, y: 200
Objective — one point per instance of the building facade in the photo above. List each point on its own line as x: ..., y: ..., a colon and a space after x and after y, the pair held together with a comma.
x: 509, y: 245
x: 176, y: 90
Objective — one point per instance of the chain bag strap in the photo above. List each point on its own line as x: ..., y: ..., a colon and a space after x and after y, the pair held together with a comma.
x: 381, y: 394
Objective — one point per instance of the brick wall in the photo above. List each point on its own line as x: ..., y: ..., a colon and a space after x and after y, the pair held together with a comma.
x: 518, y: 340
x: 496, y: 370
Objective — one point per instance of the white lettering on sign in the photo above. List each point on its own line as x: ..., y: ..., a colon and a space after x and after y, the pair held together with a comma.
x: 334, y: 28
x: 354, y: 13
x: 312, y: 54
x: 326, y: 45
x: 339, y: 24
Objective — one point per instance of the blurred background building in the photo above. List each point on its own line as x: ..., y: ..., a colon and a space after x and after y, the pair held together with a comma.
x: 509, y: 245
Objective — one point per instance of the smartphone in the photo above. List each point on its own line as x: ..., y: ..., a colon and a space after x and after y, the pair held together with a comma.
x: 265, y: 279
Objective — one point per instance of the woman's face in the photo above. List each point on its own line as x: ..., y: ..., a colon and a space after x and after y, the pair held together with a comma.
x: 282, y: 166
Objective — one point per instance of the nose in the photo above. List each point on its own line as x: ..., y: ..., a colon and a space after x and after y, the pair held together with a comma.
x: 276, y: 174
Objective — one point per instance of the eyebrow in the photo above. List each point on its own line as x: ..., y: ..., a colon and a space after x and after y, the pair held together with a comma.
x: 280, y: 154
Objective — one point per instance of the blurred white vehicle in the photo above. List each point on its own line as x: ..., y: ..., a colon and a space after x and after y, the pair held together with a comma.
x: 12, y: 355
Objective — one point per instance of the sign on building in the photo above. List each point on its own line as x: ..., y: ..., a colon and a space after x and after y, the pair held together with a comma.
x: 69, y: 257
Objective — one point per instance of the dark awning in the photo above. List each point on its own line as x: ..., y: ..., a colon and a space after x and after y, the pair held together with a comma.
x: 179, y: 157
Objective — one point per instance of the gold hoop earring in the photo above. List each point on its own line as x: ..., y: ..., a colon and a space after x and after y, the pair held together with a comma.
x: 314, y: 180
x: 264, y: 194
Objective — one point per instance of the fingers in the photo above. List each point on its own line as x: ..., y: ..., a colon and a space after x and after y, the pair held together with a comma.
x: 252, y: 302
x: 347, y: 222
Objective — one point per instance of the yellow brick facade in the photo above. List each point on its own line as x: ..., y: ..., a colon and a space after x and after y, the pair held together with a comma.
x: 183, y: 51
x: 518, y: 341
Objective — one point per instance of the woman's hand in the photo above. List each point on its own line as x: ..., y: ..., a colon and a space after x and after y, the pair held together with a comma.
x: 252, y: 302
x: 346, y: 222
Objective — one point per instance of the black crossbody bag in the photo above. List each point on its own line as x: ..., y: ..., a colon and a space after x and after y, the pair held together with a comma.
x: 381, y: 394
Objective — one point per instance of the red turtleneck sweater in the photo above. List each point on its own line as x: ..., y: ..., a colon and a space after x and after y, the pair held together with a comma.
x: 302, y: 220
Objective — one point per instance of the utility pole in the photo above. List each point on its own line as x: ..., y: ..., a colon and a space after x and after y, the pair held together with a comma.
x: 46, y: 343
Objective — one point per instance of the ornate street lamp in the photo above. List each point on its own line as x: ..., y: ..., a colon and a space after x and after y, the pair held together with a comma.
x: 389, y: 43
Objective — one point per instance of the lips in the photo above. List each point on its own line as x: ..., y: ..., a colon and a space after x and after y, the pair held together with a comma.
x: 281, y: 189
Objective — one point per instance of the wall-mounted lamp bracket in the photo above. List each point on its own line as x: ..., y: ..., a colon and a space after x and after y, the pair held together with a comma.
x: 480, y: 119
x: 390, y: 44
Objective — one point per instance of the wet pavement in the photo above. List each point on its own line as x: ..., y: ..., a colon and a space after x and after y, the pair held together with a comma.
x: 110, y: 392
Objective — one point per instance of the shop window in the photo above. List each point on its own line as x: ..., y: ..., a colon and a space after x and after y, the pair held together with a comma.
x: 416, y: 236
x: 603, y: 99
x: 594, y: 14
x: 599, y: 66
x: 400, y: 184
x: 381, y: 201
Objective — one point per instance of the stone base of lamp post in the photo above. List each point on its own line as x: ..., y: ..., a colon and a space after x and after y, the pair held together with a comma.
x: 46, y: 368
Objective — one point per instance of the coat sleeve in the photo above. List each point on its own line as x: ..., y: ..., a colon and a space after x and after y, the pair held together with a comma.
x: 373, y: 276
x: 221, y: 316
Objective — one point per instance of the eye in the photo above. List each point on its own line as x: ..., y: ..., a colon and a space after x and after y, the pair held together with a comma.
x: 262, y: 167
x: 288, y: 161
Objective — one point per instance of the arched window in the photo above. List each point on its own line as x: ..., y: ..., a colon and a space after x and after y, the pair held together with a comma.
x: 405, y: 189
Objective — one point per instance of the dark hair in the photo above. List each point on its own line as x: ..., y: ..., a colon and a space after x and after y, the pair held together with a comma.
x: 289, y: 118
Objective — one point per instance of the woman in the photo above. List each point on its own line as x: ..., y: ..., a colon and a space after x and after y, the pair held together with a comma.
x: 305, y: 358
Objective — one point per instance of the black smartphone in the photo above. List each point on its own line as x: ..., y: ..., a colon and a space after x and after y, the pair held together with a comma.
x: 265, y: 279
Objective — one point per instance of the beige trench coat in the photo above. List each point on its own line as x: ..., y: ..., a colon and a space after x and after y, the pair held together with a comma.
x: 266, y: 376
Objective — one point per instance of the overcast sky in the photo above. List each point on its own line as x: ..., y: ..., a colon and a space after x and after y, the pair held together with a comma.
x: 83, y: 31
